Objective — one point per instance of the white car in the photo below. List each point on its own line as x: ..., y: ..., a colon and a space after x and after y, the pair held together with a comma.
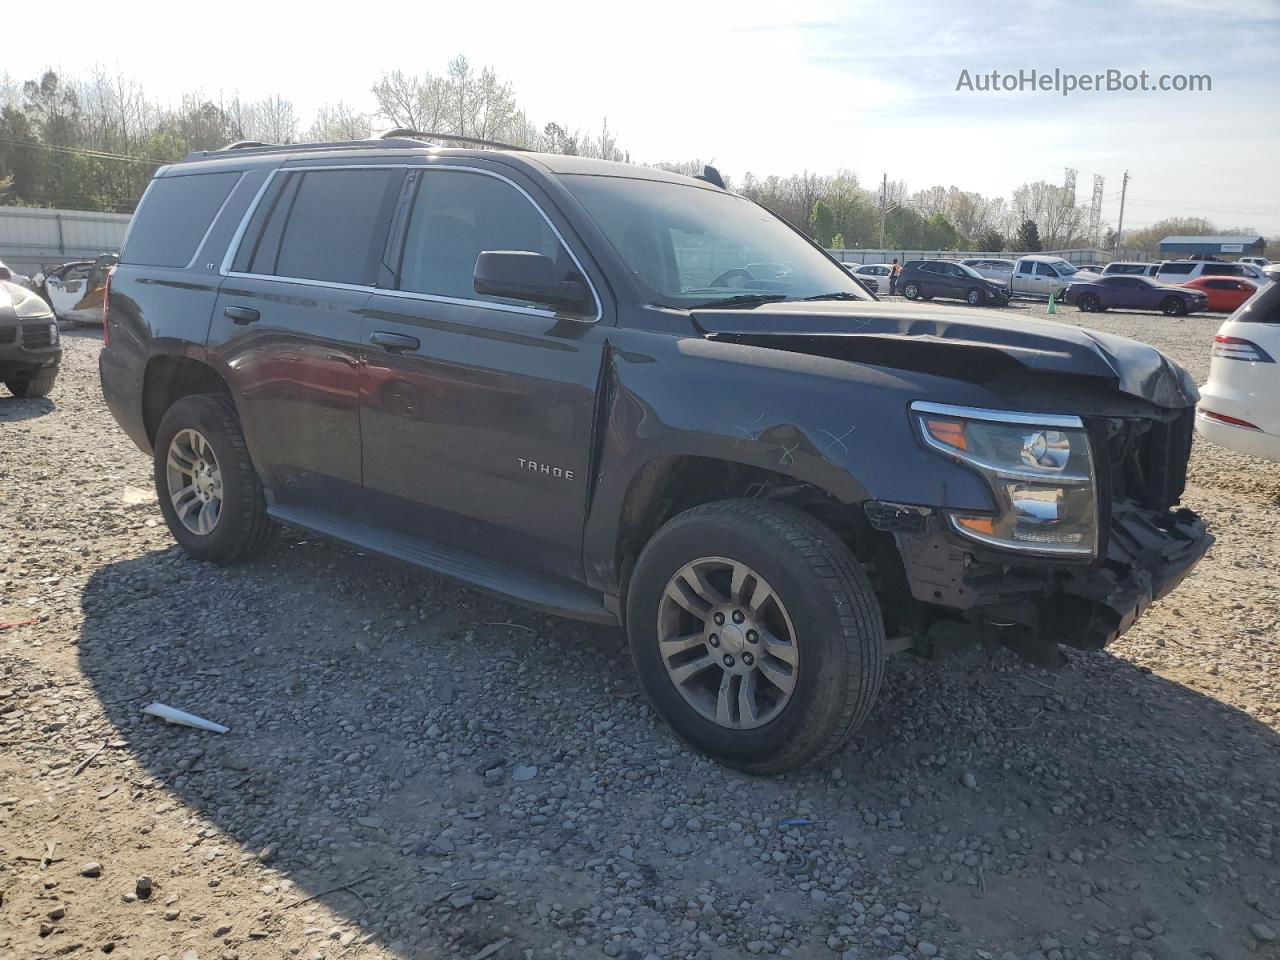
x: 1180, y: 271
x: 74, y: 290
x: 874, y: 275
x: 1131, y: 268
x: 1258, y: 262
x: 1239, y: 406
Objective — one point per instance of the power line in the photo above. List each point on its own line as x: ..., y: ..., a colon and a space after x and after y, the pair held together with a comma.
x: 82, y: 152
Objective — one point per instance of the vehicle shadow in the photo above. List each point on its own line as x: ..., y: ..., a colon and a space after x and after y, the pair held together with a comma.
x: 379, y: 719
x: 14, y: 409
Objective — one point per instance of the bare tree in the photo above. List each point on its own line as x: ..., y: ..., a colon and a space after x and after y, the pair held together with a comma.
x: 338, y: 121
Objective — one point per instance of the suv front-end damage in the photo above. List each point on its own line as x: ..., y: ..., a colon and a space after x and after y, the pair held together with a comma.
x: 1085, y: 534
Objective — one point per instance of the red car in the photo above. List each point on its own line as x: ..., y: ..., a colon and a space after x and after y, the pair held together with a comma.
x: 1224, y: 293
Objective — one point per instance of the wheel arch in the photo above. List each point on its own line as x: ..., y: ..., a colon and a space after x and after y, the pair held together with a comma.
x: 168, y: 378
x: 668, y: 484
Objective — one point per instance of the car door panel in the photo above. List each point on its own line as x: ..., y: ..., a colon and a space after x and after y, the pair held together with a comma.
x: 295, y: 374
x: 478, y: 437
x: 481, y: 437
x: 288, y: 325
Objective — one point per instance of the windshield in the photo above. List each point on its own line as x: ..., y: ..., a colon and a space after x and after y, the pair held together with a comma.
x: 692, y: 247
x: 1064, y: 269
x: 970, y: 271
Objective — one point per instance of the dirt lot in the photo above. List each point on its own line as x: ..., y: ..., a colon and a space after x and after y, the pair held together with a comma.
x: 416, y: 771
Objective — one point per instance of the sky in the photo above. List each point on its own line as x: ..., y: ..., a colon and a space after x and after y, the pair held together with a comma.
x: 781, y: 87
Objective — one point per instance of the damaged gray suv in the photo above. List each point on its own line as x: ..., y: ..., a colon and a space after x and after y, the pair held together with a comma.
x: 633, y: 397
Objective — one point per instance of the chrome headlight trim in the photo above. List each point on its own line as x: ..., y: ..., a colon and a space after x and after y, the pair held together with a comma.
x: 997, y: 474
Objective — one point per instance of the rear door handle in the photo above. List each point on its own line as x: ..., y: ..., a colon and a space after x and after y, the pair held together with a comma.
x: 394, y: 342
x: 241, y: 315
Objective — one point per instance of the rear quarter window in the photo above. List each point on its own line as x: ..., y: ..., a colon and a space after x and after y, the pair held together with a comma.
x: 174, y: 216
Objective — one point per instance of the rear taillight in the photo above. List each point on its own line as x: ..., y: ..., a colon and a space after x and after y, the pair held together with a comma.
x: 106, y: 306
x: 1223, y: 418
x: 1235, y: 348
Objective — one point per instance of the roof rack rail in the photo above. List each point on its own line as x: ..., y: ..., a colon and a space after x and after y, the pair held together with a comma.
x: 246, y: 144
x: 398, y: 132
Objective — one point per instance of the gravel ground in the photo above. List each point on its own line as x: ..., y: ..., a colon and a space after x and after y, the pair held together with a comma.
x: 414, y: 770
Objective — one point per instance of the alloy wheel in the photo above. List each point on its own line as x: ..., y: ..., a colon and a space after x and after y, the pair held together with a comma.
x: 727, y: 643
x: 194, y: 481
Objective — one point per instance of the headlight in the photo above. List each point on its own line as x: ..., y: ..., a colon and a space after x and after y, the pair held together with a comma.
x: 32, y: 308
x: 1038, y: 466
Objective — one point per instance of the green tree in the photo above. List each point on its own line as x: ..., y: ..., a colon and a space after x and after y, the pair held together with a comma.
x: 837, y: 242
x: 822, y: 225
x: 940, y: 234
x: 989, y: 241
x: 1027, y: 239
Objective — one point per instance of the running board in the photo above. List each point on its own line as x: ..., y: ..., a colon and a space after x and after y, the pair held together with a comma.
x: 541, y: 593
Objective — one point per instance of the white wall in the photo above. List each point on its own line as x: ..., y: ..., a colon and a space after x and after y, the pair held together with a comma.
x: 35, y: 237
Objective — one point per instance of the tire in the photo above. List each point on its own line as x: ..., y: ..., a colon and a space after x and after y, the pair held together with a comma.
x: 1173, y: 306
x: 1089, y: 303
x: 241, y: 528
x: 911, y: 291
x: 975, y: 297
x: 40, y: 385
x: 837, y: 636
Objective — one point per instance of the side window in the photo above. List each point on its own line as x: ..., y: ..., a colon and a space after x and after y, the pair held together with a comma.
x: 1177, y: 269
x: 455, y: 217
x: 174, y: 216
x: 1044, y: 270
x: 334, y: 225
x: 1026, y: 268
x: 1220, y: 284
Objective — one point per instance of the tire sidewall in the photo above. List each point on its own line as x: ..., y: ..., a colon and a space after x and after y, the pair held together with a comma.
x: 204, y: 415
x: 824, y: 662
x: 975, y: 297
x: 911, y: 291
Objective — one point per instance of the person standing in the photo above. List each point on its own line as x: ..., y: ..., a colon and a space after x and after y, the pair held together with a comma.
x: 893, y: 276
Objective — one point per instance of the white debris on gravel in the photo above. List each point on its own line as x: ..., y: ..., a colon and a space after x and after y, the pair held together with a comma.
x: 373, y: 802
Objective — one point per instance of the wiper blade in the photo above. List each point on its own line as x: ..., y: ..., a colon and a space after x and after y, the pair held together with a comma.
x: 842, y: 295
x: 742, y: 300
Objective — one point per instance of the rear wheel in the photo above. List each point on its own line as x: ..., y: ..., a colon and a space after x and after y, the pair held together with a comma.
x: 39, y: 385
x: 209, y: 493
x: 911, y: 291
x: 755, y: 633
x: 1173, y: 307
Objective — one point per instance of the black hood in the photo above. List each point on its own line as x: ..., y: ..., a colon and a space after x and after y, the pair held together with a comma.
x: 1038, y: 345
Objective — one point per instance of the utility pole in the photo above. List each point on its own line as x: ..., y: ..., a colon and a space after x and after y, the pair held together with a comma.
x: 884, y: 206
x: 1124, y: 187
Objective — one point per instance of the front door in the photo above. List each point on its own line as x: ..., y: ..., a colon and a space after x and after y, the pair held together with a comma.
x: 288, y: 325
x: 477, y: 412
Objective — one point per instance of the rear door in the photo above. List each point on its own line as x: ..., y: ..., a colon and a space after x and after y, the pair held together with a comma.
x: 478, y: 411
x: 287, y: 324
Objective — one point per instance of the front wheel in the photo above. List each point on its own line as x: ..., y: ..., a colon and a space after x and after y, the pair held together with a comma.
x: 755, y: 633
x: 1173, y: 307
x: 975, y: 297
x: 209, y: 493
x: 39, y: 385
x: 911, y: 291
x: 1089, y: 303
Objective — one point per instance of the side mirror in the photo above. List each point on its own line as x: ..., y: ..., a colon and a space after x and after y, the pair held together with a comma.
x: 6, y: 273
x: 522, y: 275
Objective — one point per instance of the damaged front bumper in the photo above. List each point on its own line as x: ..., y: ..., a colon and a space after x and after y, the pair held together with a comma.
x: 1146, y: 553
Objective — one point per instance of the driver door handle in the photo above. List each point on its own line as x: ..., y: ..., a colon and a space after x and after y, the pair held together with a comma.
x: 240, y: 315
x: 394, y: 342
